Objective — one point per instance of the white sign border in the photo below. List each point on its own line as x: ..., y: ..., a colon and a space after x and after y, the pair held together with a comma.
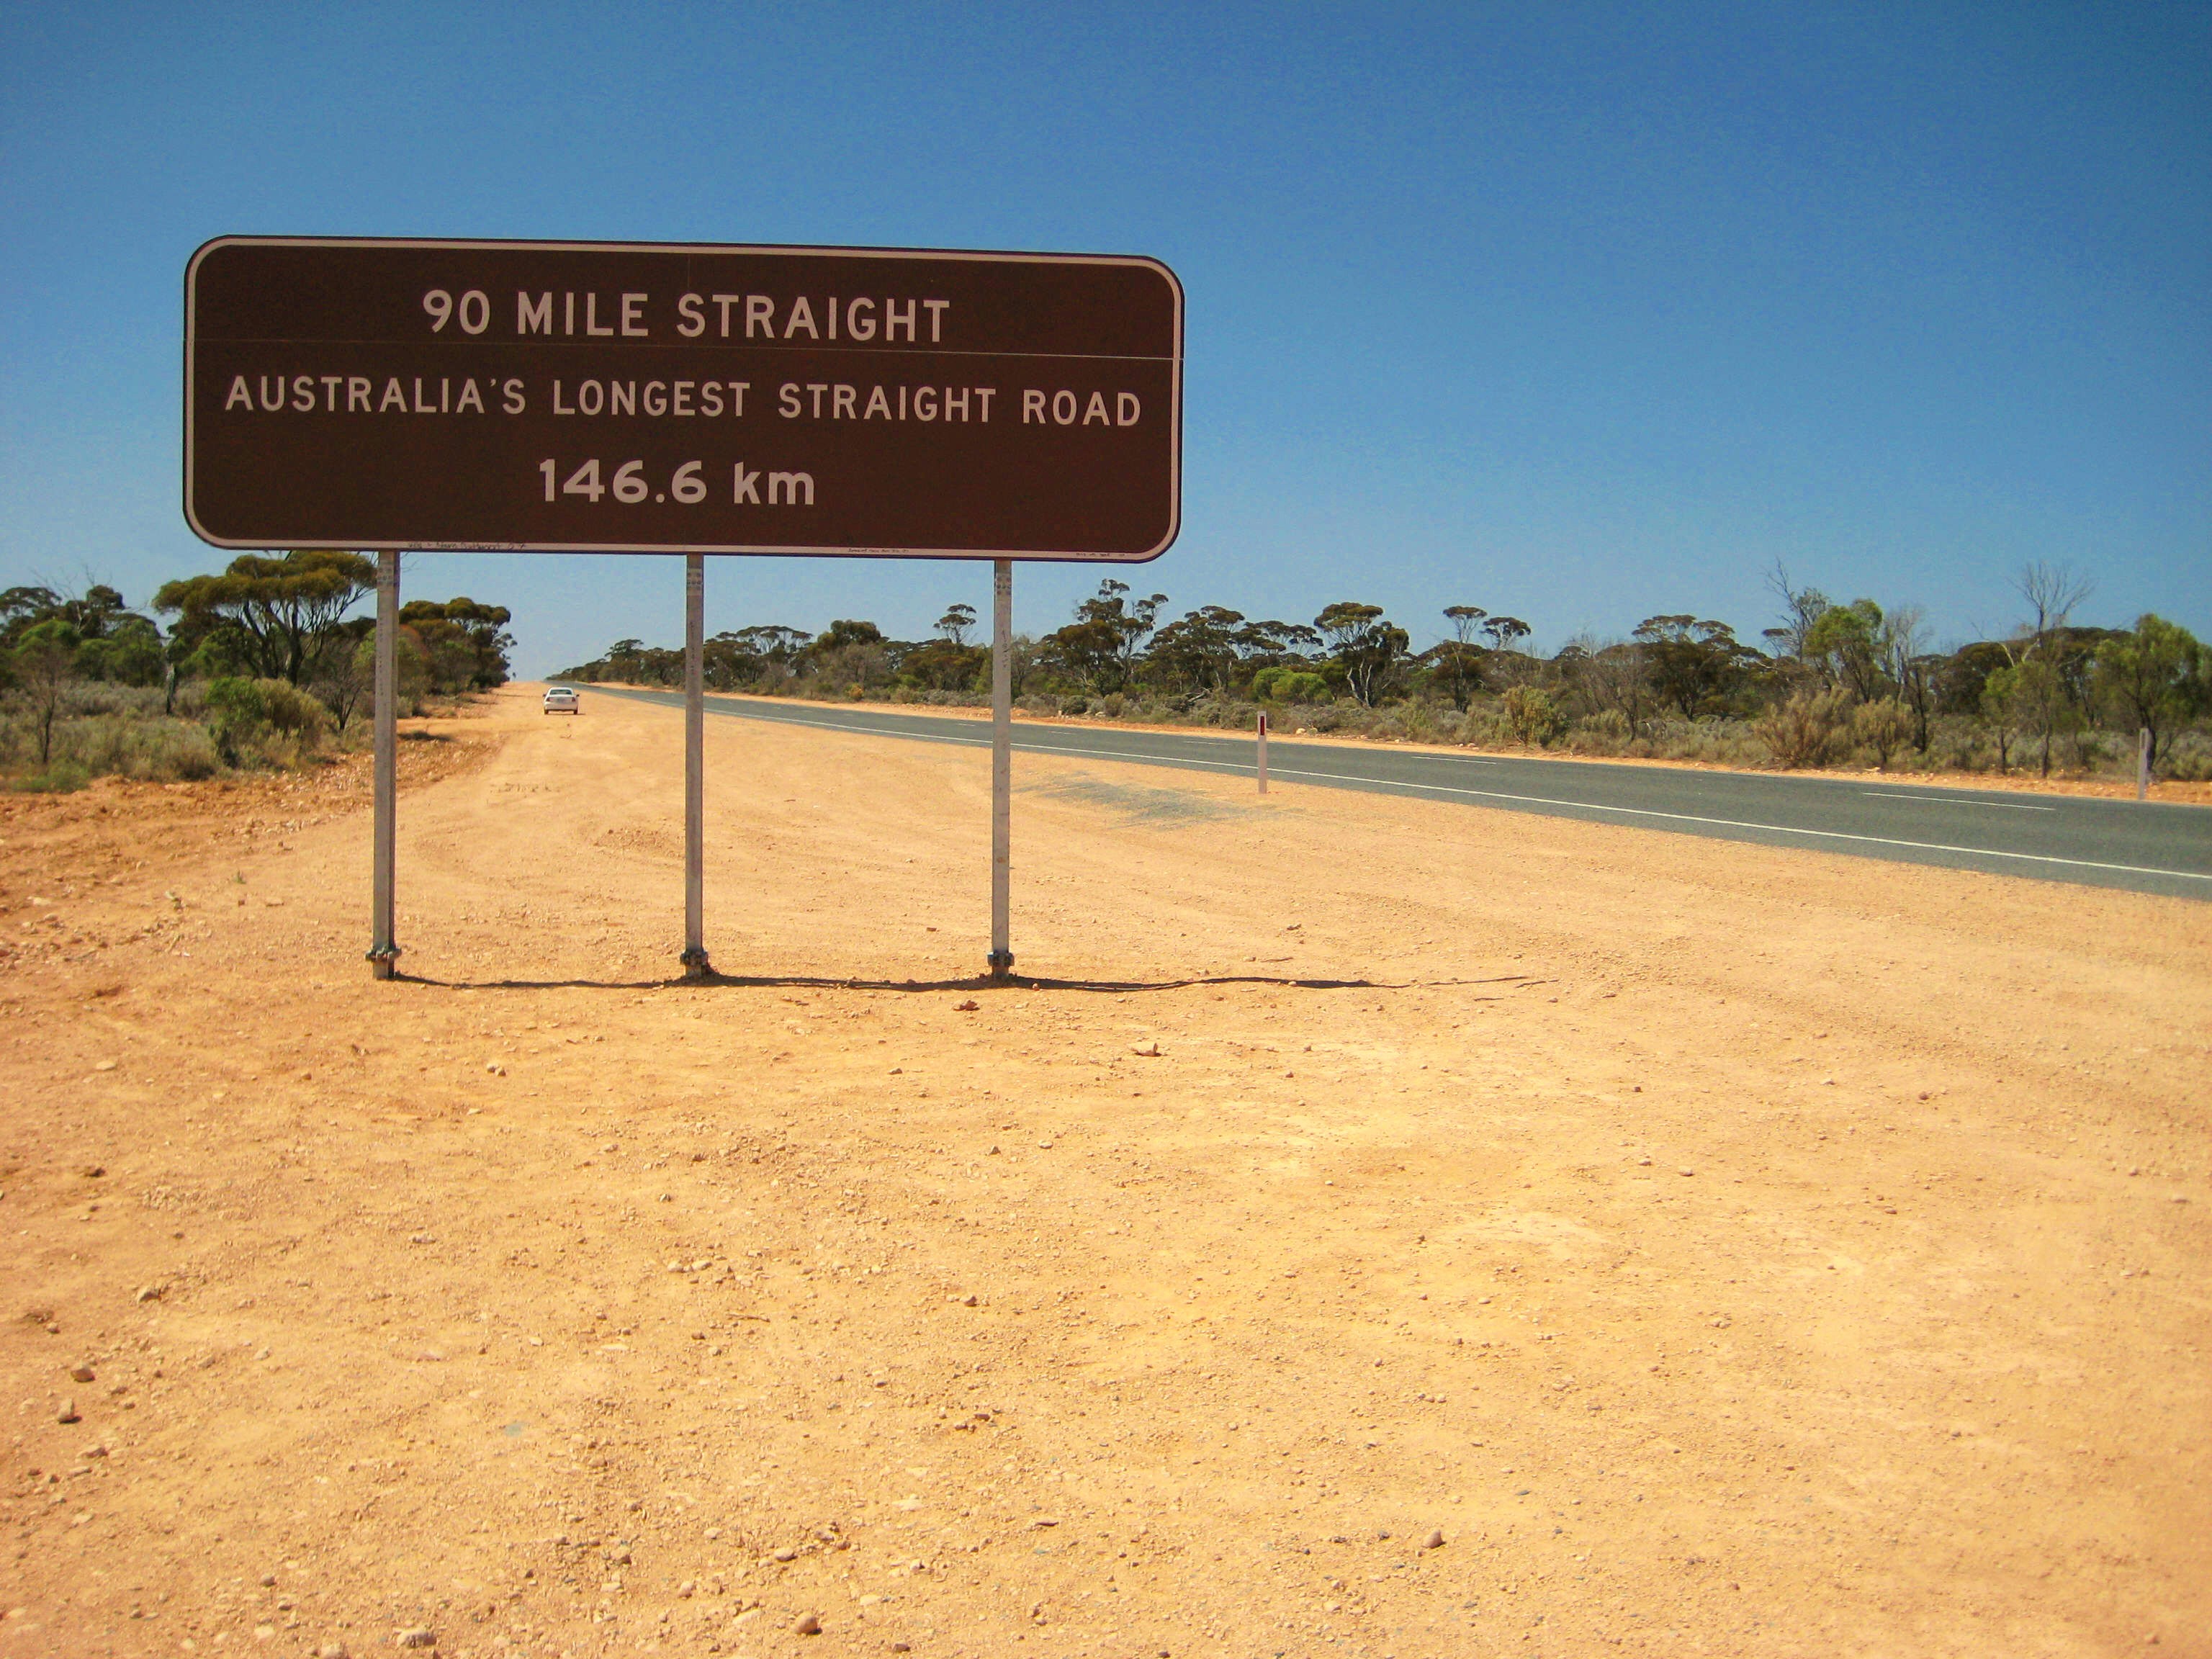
x: 981, y: 256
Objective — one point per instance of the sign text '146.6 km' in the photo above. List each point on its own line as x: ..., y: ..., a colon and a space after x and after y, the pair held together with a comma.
x: 686, y: 485
x: 621, y: 398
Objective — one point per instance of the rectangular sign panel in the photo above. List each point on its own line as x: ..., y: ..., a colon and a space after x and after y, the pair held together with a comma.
x: 589, y: 396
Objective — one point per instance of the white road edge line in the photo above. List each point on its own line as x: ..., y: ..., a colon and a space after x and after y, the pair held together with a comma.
x: 1774, y: 828
x: 1940, y: 800
x: 1542, y: 800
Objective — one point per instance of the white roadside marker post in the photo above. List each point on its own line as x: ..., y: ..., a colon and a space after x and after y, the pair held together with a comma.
x: 696, y: 965
x: 383, y: 951
x: 1002, y: 759
x: 1263, y: 751
x: 2142, y: 765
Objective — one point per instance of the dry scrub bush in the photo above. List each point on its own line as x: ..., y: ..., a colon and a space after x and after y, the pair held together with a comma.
x: 2190, y: 759
x: 106, y: 731
x: 1711, y: 740
x: 1804, y: 731
x: 1884, y: 728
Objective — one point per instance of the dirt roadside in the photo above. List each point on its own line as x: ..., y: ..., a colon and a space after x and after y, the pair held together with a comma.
x: 1720, y: 1249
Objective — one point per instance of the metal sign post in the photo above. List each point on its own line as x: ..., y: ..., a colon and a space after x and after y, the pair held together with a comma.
x: 1263, y: 751
x: 1002, y: 763
x: 696, y: 965
x: 383, y: 949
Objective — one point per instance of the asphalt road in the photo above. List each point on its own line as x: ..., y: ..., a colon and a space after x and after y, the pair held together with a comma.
x: 2147, y: 847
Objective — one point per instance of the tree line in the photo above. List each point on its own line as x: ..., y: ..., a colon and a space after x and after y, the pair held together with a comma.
x: 1830, y: 682
x: 270, y: 647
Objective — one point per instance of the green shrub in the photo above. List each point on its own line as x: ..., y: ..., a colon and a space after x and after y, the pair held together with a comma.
x: 237, y: 714
x: 1532, y: 714
x: 295, y: 713
x: 61, y: 777
x: 1286, y: 685
x: 262, y: 721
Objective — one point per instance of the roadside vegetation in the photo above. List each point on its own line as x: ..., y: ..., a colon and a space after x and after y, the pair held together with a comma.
x: 263, y: 665
x: 1831, y: 684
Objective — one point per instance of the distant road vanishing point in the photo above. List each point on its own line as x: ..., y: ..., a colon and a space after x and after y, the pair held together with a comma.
x: 2144, y: 847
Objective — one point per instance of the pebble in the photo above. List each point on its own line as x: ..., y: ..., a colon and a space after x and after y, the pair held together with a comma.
x: 81, y: 1374
x: 1150, y: 1050
x: 68, y: 1412
x: 786, y: 1554
x: 149, y: 1293
x: 331, y: 1651
x: 1435, y: 1540
x: 808, y: 1624
x: 416, y: 1636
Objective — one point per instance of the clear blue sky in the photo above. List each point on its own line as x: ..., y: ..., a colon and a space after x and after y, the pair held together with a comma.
x: 1581, y: 312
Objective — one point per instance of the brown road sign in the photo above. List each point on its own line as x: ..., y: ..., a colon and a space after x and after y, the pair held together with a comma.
x: 590, y: 397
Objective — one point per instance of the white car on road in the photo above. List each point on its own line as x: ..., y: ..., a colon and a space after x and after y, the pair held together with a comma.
x: 563, y: 700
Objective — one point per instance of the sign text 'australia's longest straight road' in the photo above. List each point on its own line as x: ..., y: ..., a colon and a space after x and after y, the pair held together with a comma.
x: 614, y: 396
